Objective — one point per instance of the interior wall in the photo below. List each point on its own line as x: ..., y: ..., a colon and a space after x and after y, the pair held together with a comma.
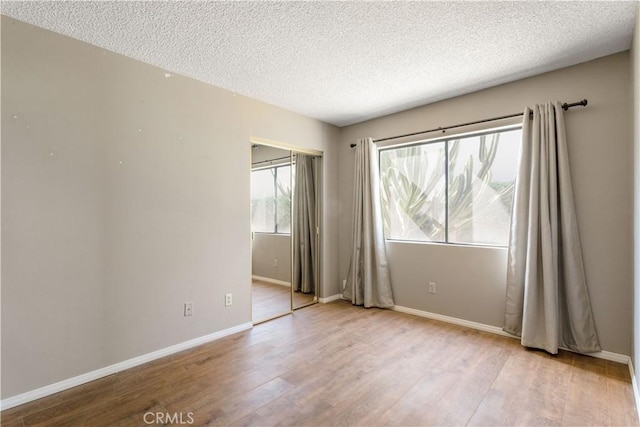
x: 271, y: 256
x: 471, y: 281
x: 125, y: 193
x: 635, y: 111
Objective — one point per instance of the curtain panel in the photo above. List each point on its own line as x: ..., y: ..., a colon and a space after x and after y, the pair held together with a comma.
x: 547, y: 301
x: 303, y: 230
x: 369, y: 280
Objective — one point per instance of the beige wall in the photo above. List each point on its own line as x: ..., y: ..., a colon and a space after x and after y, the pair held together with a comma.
x: 471, y: 281
x: 271, y: 256
x: 635, y: 111
x: 124, y: 195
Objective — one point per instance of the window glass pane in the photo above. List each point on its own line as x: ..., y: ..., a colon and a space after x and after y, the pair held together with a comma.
x: 482, y: 172
x: 283, y: 199
x: 263, y: 201
x: 413, y: 192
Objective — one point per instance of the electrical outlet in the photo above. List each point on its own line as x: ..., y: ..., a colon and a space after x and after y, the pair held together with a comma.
x: 228, y: 300
x: 188, y: 309
x: 275, y: 262
x: 432, y: 287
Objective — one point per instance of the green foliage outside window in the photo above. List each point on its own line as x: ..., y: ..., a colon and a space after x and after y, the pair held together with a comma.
x: 457, y: 190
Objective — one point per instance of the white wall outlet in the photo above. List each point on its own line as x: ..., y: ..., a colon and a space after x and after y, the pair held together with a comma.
x: 228, y: 300
x: 188, y: 309
x: 275, y: 262
x: 432, y: 287
x: 344, y: 284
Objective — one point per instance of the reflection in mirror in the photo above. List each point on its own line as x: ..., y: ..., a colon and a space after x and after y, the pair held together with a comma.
x: 304, y: 231
x: 271, y: 232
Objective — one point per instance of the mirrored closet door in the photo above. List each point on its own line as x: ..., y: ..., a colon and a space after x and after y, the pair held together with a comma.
x: 305, y: 228
x: 271, y: 190
x: 285, y: 206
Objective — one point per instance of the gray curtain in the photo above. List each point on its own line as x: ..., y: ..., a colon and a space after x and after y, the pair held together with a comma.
x: 368, y: 282
x: 547, y: 300
x: 303, y: 230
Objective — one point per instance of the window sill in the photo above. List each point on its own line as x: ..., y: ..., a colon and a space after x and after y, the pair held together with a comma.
x: 463, y: 245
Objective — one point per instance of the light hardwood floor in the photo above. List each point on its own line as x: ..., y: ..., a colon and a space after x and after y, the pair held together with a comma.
x: 270, y: 300
x: 338, y: 365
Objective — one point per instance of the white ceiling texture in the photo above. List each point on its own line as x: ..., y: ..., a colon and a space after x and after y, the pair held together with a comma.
x: 340, y: 61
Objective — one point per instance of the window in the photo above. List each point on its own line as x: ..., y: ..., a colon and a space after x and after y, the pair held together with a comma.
x: 271, y: 200
x: 453, y: 190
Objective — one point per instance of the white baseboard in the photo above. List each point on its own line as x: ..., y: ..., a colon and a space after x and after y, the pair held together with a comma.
x: 607, y: 355
x: 634, y: 383
x: 456, y: 321
x: 41, y: 392
x: 331, y: 298
x: 270, y: 280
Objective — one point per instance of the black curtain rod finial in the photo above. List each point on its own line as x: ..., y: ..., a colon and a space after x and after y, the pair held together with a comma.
x: 566, y: 106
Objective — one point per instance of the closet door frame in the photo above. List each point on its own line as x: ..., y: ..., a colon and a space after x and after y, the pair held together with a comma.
x: 293, y: 149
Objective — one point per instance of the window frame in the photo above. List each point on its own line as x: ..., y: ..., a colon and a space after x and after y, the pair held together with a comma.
x: 445, y: 140
x: 275, y: 198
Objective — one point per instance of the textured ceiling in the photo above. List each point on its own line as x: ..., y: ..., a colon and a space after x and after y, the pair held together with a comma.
x: 345, y: 62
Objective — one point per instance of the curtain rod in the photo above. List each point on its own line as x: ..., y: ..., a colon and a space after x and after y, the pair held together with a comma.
x: 565, y: 107
x: 270, y: 161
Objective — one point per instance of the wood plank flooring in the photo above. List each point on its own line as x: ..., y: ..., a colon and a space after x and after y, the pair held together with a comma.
x: 270, y: 300
x: 339, y: 365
